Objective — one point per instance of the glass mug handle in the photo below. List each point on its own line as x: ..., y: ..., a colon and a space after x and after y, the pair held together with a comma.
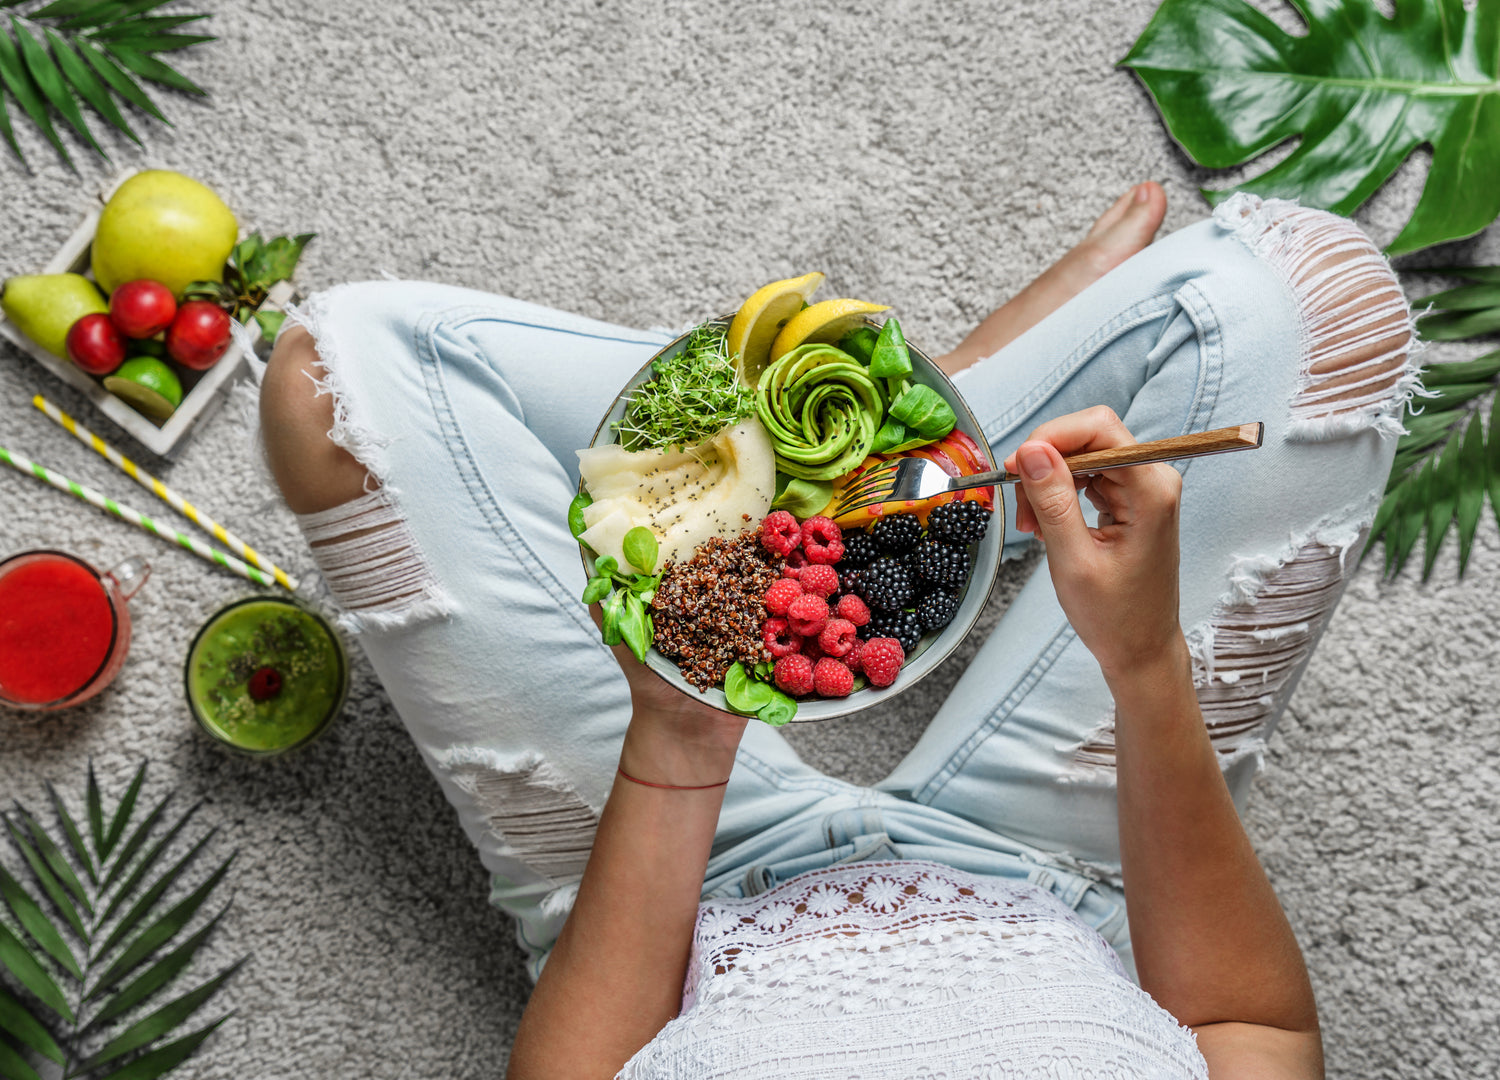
x: 129, y: 576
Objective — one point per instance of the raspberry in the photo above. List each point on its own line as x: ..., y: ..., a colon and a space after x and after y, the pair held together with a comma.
x: 812, y: 650
x: 794, y: 564
x: 819, y: 579
x: 832, y: 679
x: 781, y: 594
x: 779, y: 637
x: 838, y: 637
x: 779, y: 533
x: 265, y: 683
x: 822, y: 540
x: 794, y: 674
x: 854, y: 609
x: 854, y: 655
x: 808, y: 615
x: 881, y: 659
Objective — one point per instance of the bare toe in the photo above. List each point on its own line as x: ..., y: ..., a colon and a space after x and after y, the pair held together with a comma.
x: 1126, y: 227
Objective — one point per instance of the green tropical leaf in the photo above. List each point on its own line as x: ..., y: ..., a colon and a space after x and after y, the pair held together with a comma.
x: 35, y: 922
x: 163, y: 1021
x: 75, y: 840
x: 48, y: 77
x: 142, y: 907
x: 155, y: 43
x: 119, y: 80
x: 1473, y: 476
x: 96, y: 814
x: 147, y: 24
x: 24, y: 966
x: 15, y: 79
x: 164, y: 1059
x: 16, y: 1020
x: 160, y: 932
x: 148, y: 67
x: 47, y: 880
x: 122, y: 813
x: 127, y: 890
x: 70, y: 53
x: 13, y: 1066
x: 56, y: 861
x: 1442, y: 501
x: 156, y: 976
x: 1492, y: 458
x: 89, y: 86
x: 1362, y: 91
x: 1481, y: 368
x: 133, y: 845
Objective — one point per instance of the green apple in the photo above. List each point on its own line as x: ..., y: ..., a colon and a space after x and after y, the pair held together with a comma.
x: 166, y: 227
x: 44, y: 307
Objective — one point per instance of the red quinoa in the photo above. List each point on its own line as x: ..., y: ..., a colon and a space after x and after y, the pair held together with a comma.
x: 708, y: 611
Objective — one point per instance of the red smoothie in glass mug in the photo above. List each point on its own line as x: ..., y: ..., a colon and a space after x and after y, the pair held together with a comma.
x: 64, y: 627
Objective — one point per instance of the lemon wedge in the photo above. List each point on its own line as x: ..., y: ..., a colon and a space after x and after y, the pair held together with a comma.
x: 761, y: 318
x: 823, y: 322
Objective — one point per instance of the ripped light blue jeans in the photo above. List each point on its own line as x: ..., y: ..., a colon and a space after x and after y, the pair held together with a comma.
x: 459, y: 577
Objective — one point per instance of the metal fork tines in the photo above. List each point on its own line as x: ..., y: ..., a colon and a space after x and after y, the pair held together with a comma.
x: 913, y: 479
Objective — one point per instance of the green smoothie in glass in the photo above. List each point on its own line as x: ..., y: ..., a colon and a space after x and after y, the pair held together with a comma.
x: 265, y: 675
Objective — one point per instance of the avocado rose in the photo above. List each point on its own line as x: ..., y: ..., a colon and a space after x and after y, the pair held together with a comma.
x: 821, y: 409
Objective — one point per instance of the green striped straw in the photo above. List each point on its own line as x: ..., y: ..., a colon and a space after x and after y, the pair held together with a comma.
x: 135, y: 517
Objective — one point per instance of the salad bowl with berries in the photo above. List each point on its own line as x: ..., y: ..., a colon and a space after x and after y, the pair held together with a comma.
x: 703, y: 506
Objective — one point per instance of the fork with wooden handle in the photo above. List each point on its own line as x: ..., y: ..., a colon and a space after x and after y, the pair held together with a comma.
x: 913, y: 479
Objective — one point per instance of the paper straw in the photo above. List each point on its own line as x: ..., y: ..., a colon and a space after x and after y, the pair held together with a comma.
x: 166, y: 494
x: 135, y: 517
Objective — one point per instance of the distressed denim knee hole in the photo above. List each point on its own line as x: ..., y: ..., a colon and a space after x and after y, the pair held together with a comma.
x: 1357, y: 331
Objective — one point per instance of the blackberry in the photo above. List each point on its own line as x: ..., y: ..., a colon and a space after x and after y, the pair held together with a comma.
x: 904, y: 626
x: 936, y: 609
x: 848, y: 580
x: 888, y: 584
x: 897, y: 534
x: 942, y: 564
x: 859, y: 550
x: 959, y: 523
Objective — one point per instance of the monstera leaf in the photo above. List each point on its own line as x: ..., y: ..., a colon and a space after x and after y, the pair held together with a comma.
x: 1361, y: 90
x: 89, y: 941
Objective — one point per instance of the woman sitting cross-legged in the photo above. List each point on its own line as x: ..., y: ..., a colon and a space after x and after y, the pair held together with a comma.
x: 1055, y: 881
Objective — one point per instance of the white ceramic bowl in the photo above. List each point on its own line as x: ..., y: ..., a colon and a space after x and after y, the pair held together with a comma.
x: 934, y: 647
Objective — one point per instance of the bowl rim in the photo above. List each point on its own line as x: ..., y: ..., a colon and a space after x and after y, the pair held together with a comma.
x: 714, y: 696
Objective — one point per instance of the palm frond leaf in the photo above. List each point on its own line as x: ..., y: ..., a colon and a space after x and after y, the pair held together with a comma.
x: 107, y: 868
x: 59, y: 56
x: 1449, y: 458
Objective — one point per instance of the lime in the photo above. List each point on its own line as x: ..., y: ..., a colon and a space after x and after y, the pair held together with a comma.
x: 761, y: 318
x: 823, y: 322
x: 146, y: 385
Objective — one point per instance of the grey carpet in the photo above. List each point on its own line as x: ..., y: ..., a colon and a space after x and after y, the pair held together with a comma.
x: 648, y: 163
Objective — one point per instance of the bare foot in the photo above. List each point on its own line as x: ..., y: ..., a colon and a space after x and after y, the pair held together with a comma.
x: 1125, y: 228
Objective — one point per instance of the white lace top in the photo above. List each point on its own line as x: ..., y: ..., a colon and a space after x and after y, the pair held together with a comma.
x: 909, y: 969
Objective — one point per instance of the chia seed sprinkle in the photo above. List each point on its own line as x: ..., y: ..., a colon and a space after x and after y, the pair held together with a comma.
x: 708, y: 611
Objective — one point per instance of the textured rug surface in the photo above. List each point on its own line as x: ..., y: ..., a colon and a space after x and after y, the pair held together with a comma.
x: 649, y: 162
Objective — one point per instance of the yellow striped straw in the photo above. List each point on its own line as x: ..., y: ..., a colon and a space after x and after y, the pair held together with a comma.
x: 166, y: 494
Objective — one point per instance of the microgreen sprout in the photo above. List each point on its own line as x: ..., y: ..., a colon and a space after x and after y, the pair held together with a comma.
x: 690, y: 397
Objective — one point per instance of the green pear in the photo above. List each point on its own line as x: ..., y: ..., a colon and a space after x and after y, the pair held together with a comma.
x: 165, y: 227
x: 44, y: 307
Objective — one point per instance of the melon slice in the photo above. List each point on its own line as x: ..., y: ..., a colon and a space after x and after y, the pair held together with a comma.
x: 717, y: 488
